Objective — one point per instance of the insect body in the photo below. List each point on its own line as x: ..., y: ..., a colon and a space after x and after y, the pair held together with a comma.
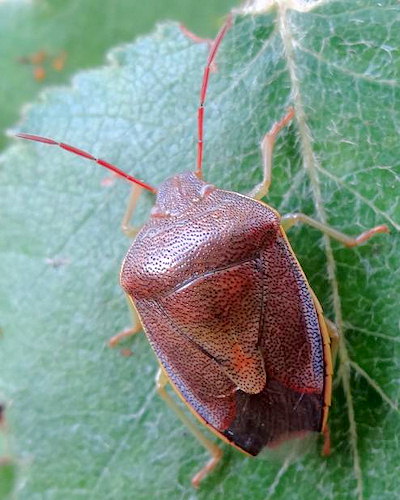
x: 229, y: 313
x: 226, y: 306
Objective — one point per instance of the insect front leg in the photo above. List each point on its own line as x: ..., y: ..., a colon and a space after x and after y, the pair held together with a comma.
x: 127, y: 228
x: 267, y: 147
x: 131, y: 232
x: 212, y: 448
x: 289, y: 220
x: 128, y: 332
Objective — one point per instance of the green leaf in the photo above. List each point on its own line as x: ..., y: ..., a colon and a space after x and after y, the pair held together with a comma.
x: 8, y: 473
x: 84, y: 32
x: 8, y: 467
x: 87, y: 422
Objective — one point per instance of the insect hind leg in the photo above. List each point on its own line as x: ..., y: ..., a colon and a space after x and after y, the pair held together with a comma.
x: 210, y: 446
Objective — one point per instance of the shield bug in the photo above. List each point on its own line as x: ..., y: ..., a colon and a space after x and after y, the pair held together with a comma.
x: 236, y: 328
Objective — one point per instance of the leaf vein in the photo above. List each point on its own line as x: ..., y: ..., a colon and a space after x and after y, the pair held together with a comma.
x: 358, y: 195
x: 392, y: 338
x: 283, y: 469
x: 121, y: 445
x: 310, y: 164
x: 346, y: 71
x: 374, y: 385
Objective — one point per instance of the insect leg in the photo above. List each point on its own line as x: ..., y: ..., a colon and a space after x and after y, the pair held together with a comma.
x: 334, y: 336
x: 326, y: 447
x: 128, y: 332
x: 290, y: 220
x: 212, y: 448
x: 267, y: 147
x: 126, y: 227
x: 197, y: 39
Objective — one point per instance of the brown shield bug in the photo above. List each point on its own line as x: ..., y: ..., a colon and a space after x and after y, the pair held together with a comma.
x: 236, y: 328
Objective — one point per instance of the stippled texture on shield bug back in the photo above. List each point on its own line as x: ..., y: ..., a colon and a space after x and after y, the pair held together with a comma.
x: 227, y: 311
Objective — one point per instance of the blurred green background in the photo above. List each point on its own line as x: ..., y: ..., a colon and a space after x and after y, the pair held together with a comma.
x: 84, y: 30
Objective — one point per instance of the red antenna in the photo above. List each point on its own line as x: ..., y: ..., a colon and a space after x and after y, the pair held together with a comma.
x: 204, y: 86
x: 80, y: 152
